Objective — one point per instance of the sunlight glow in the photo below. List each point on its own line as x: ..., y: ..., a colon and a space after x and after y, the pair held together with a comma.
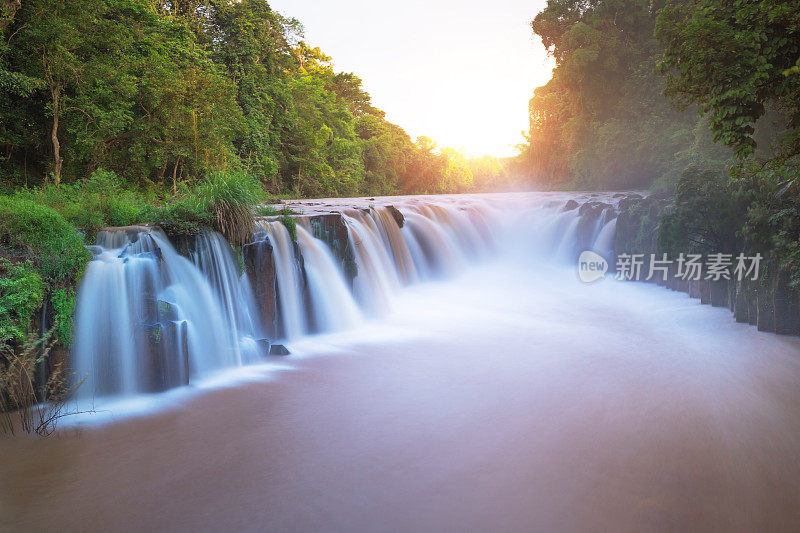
x: 461, y: 73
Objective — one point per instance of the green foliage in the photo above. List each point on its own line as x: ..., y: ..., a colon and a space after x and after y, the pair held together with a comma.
x: 601, y: 122
x: 266, y: 211
x: 170, y: 93
x: 63, y: 301
x: 57, y: 248
x: 26, y: 405
x: 457, y: 176
x: 731, y: 58
x: 489, y: 173
x: 235, y: 188
x: 99, y: 201
x: 291, y: 224
x: 182, y: 216
x: 21, y: 294
x: 230, y: 198
x: 707, y: 217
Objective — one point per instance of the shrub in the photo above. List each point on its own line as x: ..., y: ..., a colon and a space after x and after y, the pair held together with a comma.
x: 181, y: 217
x: 25, y: 406
x: 230, y: 198
x: 57, y: 248
x: 63, y: 300
x: 266, y: 211
x: 289, y: 222
x: 21, y: 294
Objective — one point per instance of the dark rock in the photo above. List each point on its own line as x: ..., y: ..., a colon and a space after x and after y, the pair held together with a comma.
x: 705, y: 291
x: 260, y: 266
x: 332, y: 230
x: 167, y: 311
x: 570, y: 205
x: 718, y: 293
x: 175, y: 354
x: 278, y: 349
x: 786, y: 306
x: 765, y: 320
x: 397, y: 215
x: 694, y: 289
x: 741, y: 306
x: 592, y: 208
x: 263, y: 346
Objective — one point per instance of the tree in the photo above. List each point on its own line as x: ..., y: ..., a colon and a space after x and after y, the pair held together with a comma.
x: 731, y: 59
x: 601, y: 121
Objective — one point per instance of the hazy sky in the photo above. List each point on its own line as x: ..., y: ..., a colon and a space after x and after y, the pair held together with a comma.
x: 460, y: 72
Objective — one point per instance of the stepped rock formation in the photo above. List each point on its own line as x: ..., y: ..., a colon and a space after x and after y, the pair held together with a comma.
x: 155, y: 313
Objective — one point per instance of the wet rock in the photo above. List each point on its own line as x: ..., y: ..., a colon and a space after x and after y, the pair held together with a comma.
x: 397, y: 215
x: 592, y: 215
x: 175, y: 354
x: 786, y: 306
x: 263, y: 346
x: 278, y: 349
x: 165, y: 356
x: 570, y: 205
x: 705, y: 291
x: 765, y: 320
x: 167, y: 311
x: 260, y: 267
x: 593, y: 208
x: 332, y: 230
x: 718, y: 293
x: 638, y: 223
x: 741, y: 306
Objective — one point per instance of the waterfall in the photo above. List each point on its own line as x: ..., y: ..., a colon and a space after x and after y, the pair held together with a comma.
x: 440, y: 253
x: 333, y: 307
x: 377, y: 276
x: 290, y: 281
x: 149, y: 318
x: 215, y: 259
x: 604, y: 242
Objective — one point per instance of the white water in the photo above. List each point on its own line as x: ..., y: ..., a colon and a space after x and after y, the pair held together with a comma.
x: 137, y: 298
x: 290, y: 280
x: 149, y: 318
x: 332, y: 304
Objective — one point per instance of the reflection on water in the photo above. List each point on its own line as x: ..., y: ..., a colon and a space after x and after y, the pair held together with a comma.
x: 510, y: 398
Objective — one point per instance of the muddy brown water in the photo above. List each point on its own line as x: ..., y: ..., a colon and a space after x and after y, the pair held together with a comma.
x: 491, y: 403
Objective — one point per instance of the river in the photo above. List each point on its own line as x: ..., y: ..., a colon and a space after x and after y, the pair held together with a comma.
x: 509, y: 397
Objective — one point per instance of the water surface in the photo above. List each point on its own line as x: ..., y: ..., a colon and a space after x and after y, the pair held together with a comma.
x: 511, y: 398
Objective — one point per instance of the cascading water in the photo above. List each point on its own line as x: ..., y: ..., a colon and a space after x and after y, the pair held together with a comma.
x: 333, y: 307
x: 149, y: 318
x: 214, y: 257
x: 290, y: 280
x: 377, y: 276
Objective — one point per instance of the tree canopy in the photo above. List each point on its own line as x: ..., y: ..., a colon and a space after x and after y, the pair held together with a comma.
x: 167, y: 92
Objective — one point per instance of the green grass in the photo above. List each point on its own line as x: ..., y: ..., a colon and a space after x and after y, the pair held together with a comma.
x: 289, y: 222
x: 285, y: 217
x: 266, y: 211
x: 230, y: 199
x: 97, y: 202
x: 56, y: 247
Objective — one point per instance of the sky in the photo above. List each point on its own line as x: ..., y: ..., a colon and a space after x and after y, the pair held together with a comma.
x: 459, y: 72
